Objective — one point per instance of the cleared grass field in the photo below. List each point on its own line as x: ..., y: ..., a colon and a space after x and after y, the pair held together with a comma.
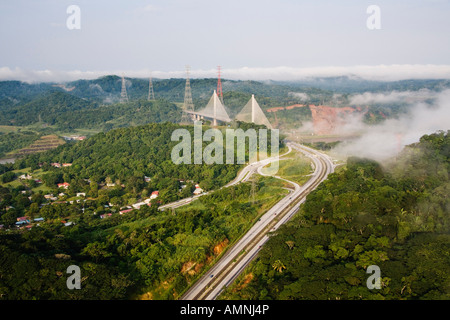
x: 294, y: 167
x: 8, y: 129
x: 37, y: 174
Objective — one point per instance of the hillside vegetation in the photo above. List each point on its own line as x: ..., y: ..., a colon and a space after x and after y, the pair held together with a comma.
x: 396, y: 218
x: 95, y: 104
x: 124, y: 255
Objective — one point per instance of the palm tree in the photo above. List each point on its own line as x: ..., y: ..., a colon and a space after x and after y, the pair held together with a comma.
x: 278, y: 265
x: 290, y: 244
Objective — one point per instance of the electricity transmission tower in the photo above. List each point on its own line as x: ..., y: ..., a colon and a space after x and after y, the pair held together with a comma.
x: 188, y: 104
x: 151, y: 94
x: 219, y: 85
x: 123, y: 93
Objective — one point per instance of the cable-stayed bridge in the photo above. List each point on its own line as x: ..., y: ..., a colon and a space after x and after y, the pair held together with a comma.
x: 216, y: 111
x: 252, y: 112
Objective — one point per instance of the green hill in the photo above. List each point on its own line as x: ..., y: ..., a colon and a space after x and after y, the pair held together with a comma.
x: 396, y: 218
x: 121, y: 256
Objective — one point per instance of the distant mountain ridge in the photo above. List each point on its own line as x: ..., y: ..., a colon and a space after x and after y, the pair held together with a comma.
x: 85, y: 103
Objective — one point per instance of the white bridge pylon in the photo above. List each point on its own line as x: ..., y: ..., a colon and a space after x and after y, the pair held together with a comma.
x: 214, y: 110
x: 252, y: 112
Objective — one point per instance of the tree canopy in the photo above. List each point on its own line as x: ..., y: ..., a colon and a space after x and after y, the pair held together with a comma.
x: 394, y: 217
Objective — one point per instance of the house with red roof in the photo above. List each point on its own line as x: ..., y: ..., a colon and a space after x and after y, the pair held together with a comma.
x: 64, y: 185
x: 125, y: 211
x: 154, y: 195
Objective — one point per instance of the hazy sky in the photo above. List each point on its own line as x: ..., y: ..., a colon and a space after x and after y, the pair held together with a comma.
x: 248, y: 38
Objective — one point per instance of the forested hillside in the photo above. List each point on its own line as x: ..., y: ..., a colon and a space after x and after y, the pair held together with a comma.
x: 95, y: 104
x: 123, y: 252
x: 16, y: 140
x: 126, y: 156
x: 66, y: 111
x: 396, y: 217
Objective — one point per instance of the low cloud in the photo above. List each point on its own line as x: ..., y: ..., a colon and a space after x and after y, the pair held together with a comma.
x: 299, y: 95
x: 376, y: 72
x: 96, y: 86
x: 392, y: 97
x: 383, y: 141
x: 282, y: 73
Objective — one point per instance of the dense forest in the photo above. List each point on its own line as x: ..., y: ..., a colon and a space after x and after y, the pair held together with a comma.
x: 346, y: 84
x: 15, y: 140
x: 395, y: 217
x: 121, y: 256
x: 124, y: 156
x: 124, y: 256
x: 60, y: 109
x: 95, y: 103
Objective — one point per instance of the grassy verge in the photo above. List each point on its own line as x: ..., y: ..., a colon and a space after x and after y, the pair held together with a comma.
x: 294, y: 167
x: 270, y: 192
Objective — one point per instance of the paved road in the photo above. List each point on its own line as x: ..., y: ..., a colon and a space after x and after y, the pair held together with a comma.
x: 242, y: 176
x: 230, y: 265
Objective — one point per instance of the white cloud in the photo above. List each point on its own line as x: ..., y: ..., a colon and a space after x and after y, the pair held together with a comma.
x: 376, y: 72
x: 299, y: 95
x: 380, y: 72
x: 392, y: 96
x: 385, y: 140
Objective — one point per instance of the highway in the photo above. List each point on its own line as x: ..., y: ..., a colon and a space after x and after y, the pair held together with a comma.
x: 231, y: 264
x: 242, y: 176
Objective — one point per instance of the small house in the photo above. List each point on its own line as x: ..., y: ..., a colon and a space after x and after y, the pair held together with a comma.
x: 197, y: 190
x: 138, y: 205
x: 64, y: 185
x: 125, y: 211
x: 154, y: 195
x: 22, y: 220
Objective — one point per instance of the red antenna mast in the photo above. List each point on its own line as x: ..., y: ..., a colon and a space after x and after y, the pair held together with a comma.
x: 219, y: 85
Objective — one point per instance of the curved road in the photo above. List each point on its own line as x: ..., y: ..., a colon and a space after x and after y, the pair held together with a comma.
x: 231, y: 264
x: 242, y: 176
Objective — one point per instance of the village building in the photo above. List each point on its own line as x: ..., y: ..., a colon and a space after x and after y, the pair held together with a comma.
x: 198, y: 190
x: 50, y: 197
x: 125, y: 211
x: 154, y: 195
x: 64, y: 185
x: 25, y: 177
x: 22, y: 220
